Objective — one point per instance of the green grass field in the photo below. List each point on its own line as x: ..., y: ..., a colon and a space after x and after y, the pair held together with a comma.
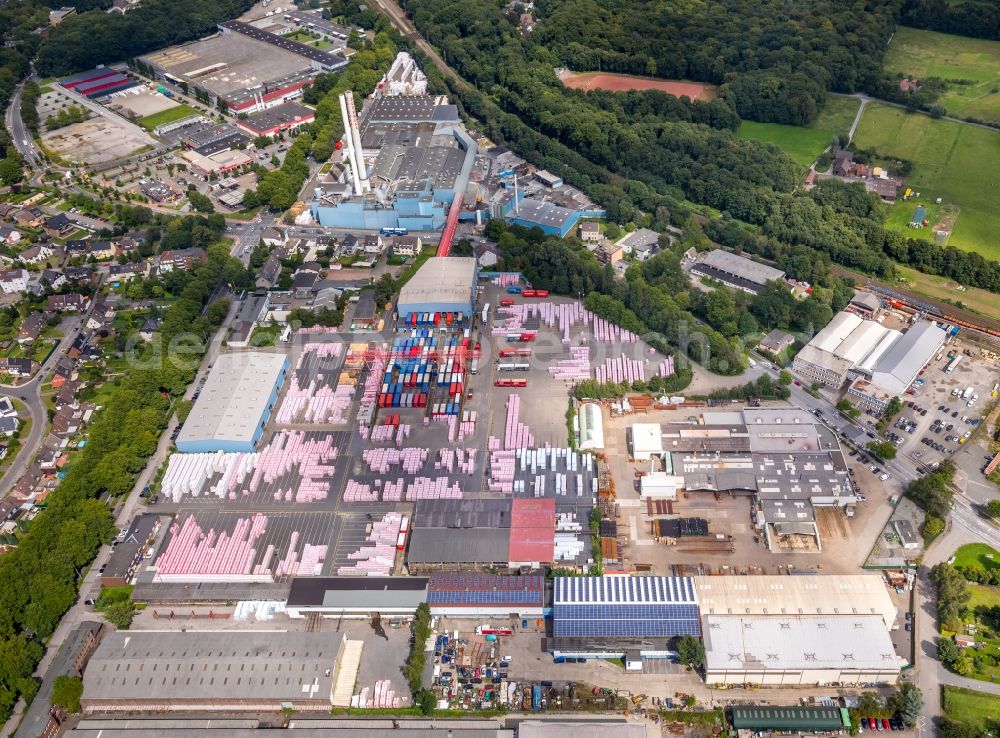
x: 967, y: 706
x: 942, y: 288
x: 304, y: 38
x: 166, y: 116
x: 805, y: 144
x: 978, y: 553
x: 970, y: 66
x: 956, y: 162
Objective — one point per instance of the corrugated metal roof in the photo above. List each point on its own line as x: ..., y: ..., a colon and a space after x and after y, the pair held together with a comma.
x: 899, y: 365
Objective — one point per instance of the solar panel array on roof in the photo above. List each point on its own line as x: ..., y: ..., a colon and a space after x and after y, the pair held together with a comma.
x: 625, y: 607
x: 485, y: 589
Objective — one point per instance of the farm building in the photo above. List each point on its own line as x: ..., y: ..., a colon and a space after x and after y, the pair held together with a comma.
x: 235, y: 403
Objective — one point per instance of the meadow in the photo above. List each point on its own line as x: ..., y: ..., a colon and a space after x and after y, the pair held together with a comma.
x: 957, y: 162
x: 971, y: 66
x: 804, y: 145
x: 968, y: 706
x: 150, y: 122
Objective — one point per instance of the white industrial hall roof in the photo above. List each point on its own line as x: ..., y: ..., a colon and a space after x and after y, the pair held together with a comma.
x: 829, y: 594
x: 591, y: 426
x: 234, y: 398
x: 898, y: 366
x: 798, y: 642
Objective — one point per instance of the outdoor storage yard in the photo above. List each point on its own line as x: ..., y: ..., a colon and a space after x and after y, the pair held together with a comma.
x: 101, y: 138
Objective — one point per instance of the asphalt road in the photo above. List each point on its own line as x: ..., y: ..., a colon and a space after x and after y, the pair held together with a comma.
x: 22, y: 138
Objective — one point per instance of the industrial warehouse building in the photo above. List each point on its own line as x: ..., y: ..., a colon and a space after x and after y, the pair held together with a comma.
x: 736, y: 271
x: 609, y: 616
x: 246, y: 68
x: 797, y: 719
x: 355, y: 597
x: 441, y: 285
x: 797, y: 630
x: 798, y: 650
x: 458, y: 595
x: 883, y: 362
x: 235, y: 403
x: 247, y: 671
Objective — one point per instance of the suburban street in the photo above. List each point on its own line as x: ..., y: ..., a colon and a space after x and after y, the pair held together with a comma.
x: 30, y: 394
x: 22, y: 138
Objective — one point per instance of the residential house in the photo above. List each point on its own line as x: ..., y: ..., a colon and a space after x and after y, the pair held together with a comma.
x: 67, y: 421
x: 36, y: 254
x: 7, y: 210
x: 59, y: 226
x: 887, y: 189
x: 272, y: 236
x: 610, y: 254
x: 67, y: 393
x: 182, y: 259
x: 10, y: 235
x: 129, y: 242
x: 7, y: 408
x: 99, y: 250
x: 102, y: 250
x: 47, y: 279
x: 9, y: 426
x: 71, y: 303
x: 373, y: 245
x: 590, y: 231
x: 487, y: 254
x: 303, y: 281
x: 14, y: 281
x: 128, y: 271
x: 29, y: 217
x: 17, y: 366
x: 82, y: 348
x: 270, y: 271
x: 407, y: 246
x: 365, y: 310
x: 79, y: 274
x: 349, y: 244
x: 777, y: 341
x: 99, y: 323
x: 65, y: 371
x: 149, y: 329
x: 32, y: 327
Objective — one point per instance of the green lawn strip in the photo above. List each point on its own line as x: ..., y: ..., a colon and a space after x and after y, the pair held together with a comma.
x: 971, y: 707
x: 169, y: 115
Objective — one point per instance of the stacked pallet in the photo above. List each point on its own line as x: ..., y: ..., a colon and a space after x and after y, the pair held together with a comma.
x: 378, y: 554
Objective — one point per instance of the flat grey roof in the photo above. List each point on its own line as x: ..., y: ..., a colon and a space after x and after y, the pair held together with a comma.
x: 459, y: 546
x: 542, y: 213
x: 355, y: 592
x: 441, y: 280
x: 287, y: 112
x: 228, y: 63
x: 573, y: 729
x: 742, y: 267
x: 487, y: 513
x: 161, y: 665
x: 411, y: 108
x: 234, y: 398
x: 639, y: 239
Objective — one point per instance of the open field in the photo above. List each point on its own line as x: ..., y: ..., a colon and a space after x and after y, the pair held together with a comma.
x: 977, y: 553
x: 304, y: 38
x: 956, y: 162
x: 624, y: 82
x: 940, y: 217
x: 943, y: 288
x: 804, y: 145
x: 971, y: 66
x: 968, y: 706
x: 166, y: 116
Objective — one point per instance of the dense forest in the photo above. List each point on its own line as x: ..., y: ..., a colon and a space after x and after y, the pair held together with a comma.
x: 647, y: 156
x: 976, y: 18
x: 776, y: 59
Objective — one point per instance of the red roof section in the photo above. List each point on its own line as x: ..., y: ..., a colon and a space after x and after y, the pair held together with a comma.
x: 532, y: 530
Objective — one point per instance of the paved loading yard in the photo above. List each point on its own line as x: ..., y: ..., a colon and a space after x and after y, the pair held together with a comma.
x: 845, y: 541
